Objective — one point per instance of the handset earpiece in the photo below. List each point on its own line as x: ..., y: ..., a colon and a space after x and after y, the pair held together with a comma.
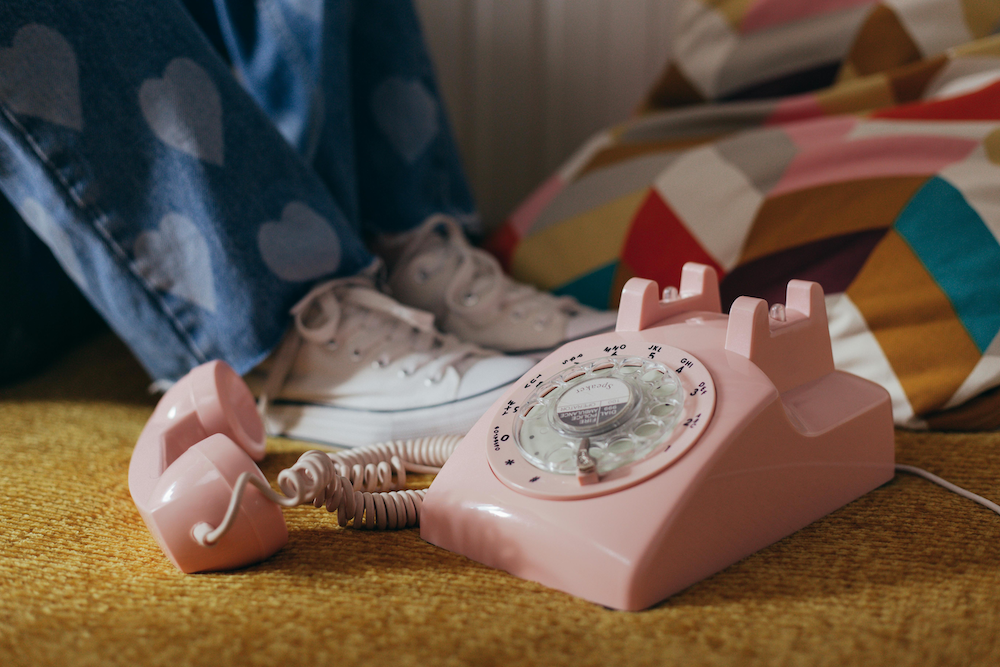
x: 205, y: 433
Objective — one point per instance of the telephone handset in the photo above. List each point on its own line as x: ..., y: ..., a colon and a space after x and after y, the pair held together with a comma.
x: 204, y: 435
x: 627, y: 466
x: 194, y: 479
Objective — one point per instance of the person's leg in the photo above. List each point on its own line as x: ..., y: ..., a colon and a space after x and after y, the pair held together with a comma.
x: 408, y: 163
x: 351, y: 87
x: 169, y: 196
x: 291, y: 56
x: 162, y: 188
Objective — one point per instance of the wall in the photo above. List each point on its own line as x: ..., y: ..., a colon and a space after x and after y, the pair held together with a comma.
x: 526, y: 81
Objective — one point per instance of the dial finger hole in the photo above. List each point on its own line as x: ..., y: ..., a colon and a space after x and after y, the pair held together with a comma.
x: 647, y: 429
x: 665, y: 390
x: 602, y: 369
x: 573, y: 376
x: 561, y: 455
x: 654, y: 375
x: 664, y: 410
x: 533, y: 411
x: 622, y: 446
x: 544, y: 445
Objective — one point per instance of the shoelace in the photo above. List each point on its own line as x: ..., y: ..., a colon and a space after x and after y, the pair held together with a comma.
x: 479, y: 289
x: 352, y: 313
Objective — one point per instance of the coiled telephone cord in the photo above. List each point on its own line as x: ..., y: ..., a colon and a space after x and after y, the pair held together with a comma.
x: 358, y: 484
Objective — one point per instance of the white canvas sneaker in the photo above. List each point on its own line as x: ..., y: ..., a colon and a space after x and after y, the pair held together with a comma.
x: 357, y: 367
x: 436, y: 269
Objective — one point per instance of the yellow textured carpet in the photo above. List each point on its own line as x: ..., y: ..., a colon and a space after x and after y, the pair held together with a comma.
x: 907, y: 575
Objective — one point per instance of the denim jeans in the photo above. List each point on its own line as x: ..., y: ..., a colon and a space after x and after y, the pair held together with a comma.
x: 196, y: 172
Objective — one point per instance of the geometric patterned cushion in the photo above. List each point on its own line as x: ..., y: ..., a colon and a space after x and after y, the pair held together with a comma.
x: 752, y: 49
x: 883, y: 186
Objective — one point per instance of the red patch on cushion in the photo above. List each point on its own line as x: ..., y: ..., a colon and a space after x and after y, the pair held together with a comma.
x: 658, y: 244
x: 983, y: 104
x: 502, y: 245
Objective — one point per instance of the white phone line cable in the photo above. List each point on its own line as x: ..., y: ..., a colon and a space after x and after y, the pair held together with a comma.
x: 920, y: 472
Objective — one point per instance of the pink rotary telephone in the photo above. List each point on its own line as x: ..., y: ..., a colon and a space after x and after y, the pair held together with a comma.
x: 621, y: 469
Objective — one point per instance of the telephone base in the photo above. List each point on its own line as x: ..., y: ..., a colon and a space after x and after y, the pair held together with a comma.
x: 766, y: 465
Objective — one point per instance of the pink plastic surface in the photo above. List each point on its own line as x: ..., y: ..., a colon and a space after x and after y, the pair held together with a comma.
x: 790, y: 441
x: 204, y: 433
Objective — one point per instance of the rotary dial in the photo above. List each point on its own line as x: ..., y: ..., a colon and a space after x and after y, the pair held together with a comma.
x: 600, y: 421
x: 616, y: 410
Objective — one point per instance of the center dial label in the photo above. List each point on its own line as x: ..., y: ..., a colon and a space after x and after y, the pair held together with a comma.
x: 592, y: 404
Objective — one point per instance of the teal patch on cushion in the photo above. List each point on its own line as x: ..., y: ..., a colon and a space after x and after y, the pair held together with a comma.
x: 959, y: 251
x: 592, y: 289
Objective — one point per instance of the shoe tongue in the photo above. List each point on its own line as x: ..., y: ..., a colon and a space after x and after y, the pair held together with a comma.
x: 436, y: 242
x: 393, y: 247
x: 424, y: 278
x: 483, y: 280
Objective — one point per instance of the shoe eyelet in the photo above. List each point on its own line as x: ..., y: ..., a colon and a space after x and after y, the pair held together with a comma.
x: 355, y: 355
x: 332, y: 346
x: 470, y: 299
x: 431, y: 381
x: 406, y: 372
x: 381, y: 362
x: 421, y: 275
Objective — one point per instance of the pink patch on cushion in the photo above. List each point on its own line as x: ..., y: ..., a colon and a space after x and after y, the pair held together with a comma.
x: 855, y: 160
x: 767, y: 13
x: 797, y: 108
x: 820, y: 131
x: 524, y: 216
